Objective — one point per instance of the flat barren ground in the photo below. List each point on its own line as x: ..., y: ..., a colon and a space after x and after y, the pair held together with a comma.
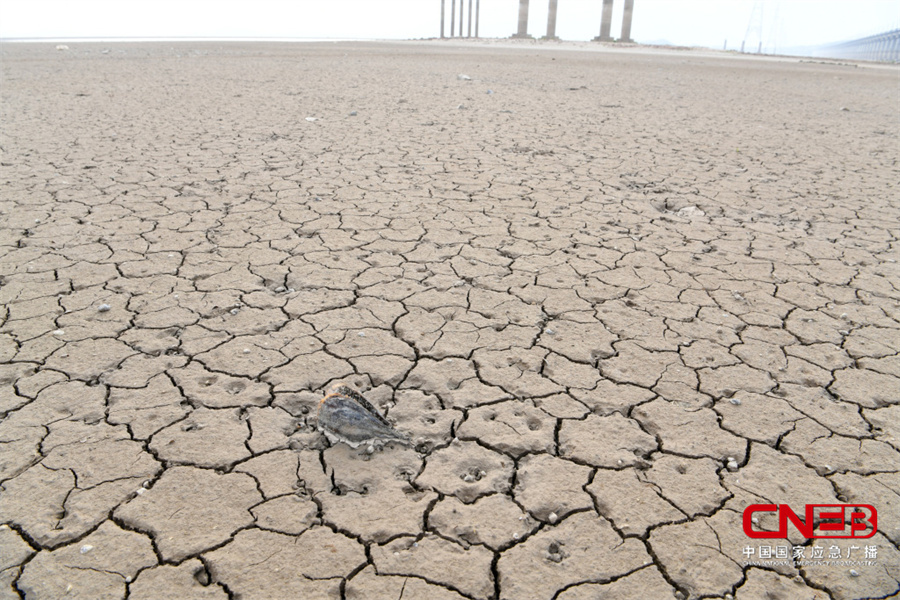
x: 615, y: 296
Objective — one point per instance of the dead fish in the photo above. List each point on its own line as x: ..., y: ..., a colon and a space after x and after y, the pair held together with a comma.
x: 346, y: 416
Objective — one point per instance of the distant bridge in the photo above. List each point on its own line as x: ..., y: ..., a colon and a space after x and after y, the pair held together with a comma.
x: 522, y: 31
x: 884, y: 47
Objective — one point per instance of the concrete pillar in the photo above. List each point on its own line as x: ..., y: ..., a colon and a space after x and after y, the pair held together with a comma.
x: 551, y: 21
x: 469, y: 30
x: 523, y: 20
x: 477, y: 12
x: 626, y: 21
x: 605, y: 22
x: 443, y: 9
x: 453, y: 17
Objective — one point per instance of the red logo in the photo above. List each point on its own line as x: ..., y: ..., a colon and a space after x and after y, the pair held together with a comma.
x: 820, y: 520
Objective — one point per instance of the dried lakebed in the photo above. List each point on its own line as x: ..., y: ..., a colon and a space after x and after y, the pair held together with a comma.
x: 614, y: 302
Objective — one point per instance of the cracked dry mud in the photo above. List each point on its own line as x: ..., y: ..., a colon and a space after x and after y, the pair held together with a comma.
x: 615, y: 297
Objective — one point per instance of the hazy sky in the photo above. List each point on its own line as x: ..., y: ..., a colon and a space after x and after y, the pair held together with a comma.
x: 779, y: 23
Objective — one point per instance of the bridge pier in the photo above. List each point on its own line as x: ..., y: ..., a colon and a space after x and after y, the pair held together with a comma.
x: 453, y: 17
x: 523, y: 20
x: 626, y: 22
x: 551, y: 21
x: 477, y: 12
x: 605, y: 22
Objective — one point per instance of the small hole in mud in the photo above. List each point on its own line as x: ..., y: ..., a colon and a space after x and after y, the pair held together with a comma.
x: 681, y: 469
x: 534, y: 424
x: 201, y: 576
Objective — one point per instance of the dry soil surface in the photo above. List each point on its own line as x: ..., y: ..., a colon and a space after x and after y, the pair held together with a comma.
x: 615, y: 297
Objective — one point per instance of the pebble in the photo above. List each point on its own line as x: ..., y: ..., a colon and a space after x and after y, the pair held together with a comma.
x: 552, y: 518
x: 246, y: 350
x: 732, y: 465
x: 233, y: 311
x: 462, y: 77
x: 353, y: 113
x: 86, y: 548
x: 104, y: 308
x: 735, y: 401
x: 854, y: 573
x: 280, y: 289
x: 59, y: 332
x: 311, y: 119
